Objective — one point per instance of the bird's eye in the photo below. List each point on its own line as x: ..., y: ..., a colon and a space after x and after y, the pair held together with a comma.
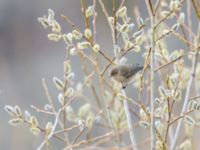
x: 113, y: 72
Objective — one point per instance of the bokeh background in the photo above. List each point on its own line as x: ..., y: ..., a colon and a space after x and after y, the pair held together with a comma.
x: 27, y: 56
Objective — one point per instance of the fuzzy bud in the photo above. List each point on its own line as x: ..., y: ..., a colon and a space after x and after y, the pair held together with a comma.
x: 89, y: 11
x: 83, y: 45
x: 96, y: 48
x: 121, y: 12
x: 77, y: 35
x: 54, y: 37
x: 88, y: 33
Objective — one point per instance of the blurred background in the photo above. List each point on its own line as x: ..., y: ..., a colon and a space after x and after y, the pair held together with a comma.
x: 27, y: 56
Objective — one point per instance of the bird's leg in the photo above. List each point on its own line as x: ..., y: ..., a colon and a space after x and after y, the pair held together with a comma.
x: 124, y: 86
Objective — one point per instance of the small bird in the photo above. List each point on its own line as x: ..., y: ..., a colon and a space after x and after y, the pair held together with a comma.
x: 124, y: 73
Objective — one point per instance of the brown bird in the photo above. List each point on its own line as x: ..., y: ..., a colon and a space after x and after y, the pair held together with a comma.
x: 125, y: 73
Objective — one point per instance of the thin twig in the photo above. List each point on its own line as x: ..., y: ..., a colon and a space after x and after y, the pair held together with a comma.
x: 52, y: 131
x: 66, y: 130
x: 42, y: 111
x: 180, y: 117
x: 166, y: 16
x: 88, y: 40
x: 78, y: 136
x: 43, y: 131
x: 152, y: 62
x: 190, y: 82
x: 122, y: 3
x: 48, y: 94
x: 157, y: 5
x: 195, y: 97
x: 169, y: 63
x: 95, y: 139
x: 77, y: 93
x: 187, y: 28
x: 169, y: 115
x: 196, y: 8
x: 125, y: 102
x: 189, y: 19
x: 86, y: 21
x: 129, y: 121
x: 142, y: 75
x: 94, y: 21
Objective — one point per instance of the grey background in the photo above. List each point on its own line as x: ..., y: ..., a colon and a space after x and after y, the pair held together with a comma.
x: 27, y: 56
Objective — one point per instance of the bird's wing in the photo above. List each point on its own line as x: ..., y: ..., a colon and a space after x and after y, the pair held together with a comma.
x: 132, y: 70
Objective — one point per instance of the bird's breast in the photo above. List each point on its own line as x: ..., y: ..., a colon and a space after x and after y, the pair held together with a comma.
x: 120, y: 79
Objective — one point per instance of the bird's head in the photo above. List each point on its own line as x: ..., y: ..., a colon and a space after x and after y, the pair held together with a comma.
x: 113, y: 72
